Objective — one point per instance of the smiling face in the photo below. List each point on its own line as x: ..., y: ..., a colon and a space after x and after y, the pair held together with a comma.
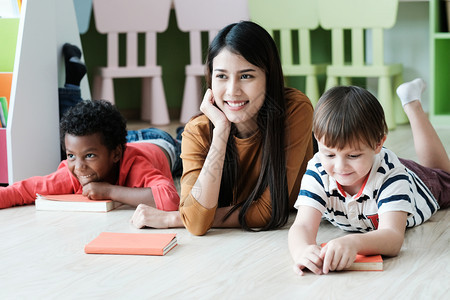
x: 349, y: 166
x: 91, y: 161
x: 239, y: 90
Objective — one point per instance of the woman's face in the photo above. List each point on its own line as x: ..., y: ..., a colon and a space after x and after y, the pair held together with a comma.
x: 239, y: 90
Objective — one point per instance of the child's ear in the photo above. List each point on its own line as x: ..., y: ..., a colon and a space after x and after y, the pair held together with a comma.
x: 380, y: 144
x: 117, y: 153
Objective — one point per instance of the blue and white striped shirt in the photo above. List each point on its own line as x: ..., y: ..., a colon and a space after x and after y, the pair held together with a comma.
x: 389, y: 187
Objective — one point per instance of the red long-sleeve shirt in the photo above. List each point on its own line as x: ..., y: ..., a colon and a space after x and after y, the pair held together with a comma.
x: 142, y: 165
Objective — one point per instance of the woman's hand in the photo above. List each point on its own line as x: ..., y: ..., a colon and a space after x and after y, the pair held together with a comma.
x: 147, y: 216
x: 213, y: 113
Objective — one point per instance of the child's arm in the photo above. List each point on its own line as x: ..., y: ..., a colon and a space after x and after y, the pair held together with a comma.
x: 126, y: 195
x: 145, y: 215
x: 302, y: 240
x: 386, y: 240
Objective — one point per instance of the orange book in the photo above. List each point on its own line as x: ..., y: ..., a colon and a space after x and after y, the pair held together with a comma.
x: 132, y: 243
x: 5, y: 85
x: 73, y: 202
x: 366, y: 263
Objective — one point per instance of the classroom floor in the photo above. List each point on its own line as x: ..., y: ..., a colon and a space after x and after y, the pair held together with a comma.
x: 42, y: 257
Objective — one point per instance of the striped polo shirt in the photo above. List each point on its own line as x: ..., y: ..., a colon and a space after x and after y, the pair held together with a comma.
x: 390, y: 186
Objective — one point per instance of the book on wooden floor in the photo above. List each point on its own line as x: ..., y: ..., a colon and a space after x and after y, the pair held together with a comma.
x: 132, y: 243
x: 73, y: 202
x: 366, y: 263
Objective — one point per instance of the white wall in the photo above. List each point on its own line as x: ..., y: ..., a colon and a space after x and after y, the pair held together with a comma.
x: 408, y: 43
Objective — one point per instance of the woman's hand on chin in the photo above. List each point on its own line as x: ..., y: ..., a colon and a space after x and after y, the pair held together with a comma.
x: 217, y: 117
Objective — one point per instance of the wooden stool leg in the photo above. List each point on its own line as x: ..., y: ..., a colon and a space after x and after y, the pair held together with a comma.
x: 400, y: 116
x: 146, y: 100
x: 191, y: 98
x: 97, y: 87
x: 385, y: 98
x: 312, y: 89
x: 107, y: 90
x: 346, y: 81
x: 332, y: 81
x: 159, y: 111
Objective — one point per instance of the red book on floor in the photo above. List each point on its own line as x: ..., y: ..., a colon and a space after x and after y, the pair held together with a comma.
x: 73, y: 202
x: 366, y: 263
x: 132, y: 243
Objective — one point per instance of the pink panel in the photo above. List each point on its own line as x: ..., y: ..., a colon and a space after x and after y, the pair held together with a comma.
x: 128, y: 16
x: 3, y: 158
x: 205, y: 15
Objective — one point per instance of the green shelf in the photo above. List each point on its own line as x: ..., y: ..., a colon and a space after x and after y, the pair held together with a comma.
x: 440, y: 65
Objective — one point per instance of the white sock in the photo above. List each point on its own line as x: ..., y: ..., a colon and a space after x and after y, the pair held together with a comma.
x: 411, y: 90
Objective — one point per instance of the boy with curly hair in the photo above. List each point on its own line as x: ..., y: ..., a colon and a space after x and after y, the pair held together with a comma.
x: 101, y: 164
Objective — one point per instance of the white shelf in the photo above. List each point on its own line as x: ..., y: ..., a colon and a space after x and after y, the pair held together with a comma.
x: 32, y: 134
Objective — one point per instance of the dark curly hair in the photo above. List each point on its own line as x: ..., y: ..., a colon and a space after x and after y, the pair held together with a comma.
x: 95, y: 116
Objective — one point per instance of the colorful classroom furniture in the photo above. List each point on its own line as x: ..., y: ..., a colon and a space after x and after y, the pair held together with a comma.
x: 8, y: 34
x: 363, y: 18
x: 440, y: 62
x: 114, y: 17
x: 195, y: 17
x: 33, y: 119
x: 287, y: 17
x: 3, y: 158
x: 5, y: 85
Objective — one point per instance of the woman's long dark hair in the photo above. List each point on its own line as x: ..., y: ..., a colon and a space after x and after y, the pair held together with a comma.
x: 254, y: 43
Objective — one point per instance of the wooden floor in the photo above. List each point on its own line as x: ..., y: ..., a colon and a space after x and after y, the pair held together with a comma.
x: 42, y: 257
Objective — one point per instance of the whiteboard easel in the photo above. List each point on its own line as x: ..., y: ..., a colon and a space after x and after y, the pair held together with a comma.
x: 32, y: 134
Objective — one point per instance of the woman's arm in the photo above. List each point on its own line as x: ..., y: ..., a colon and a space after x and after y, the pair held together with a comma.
x: 387, y: 240
x: 203, y: 174
x: 147, y: 216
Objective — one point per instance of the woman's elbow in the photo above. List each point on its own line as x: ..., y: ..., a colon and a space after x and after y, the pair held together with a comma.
x: 196, y: 226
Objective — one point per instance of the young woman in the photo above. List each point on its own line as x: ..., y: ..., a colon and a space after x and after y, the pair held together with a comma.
x: 244, y: 157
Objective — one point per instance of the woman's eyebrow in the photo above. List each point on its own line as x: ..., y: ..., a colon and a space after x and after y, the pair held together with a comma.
x: 240, y: 71
x: 247, y: 70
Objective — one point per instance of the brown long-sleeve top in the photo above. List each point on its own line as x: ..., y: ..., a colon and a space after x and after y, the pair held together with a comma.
x: 195, y: 146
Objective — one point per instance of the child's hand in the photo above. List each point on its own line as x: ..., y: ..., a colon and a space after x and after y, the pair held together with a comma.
x: 97, y: 190
x: 338, y: 254
x: 309, y: 259
x: 213, y: 113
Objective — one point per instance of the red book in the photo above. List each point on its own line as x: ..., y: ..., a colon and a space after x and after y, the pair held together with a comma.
x: 132, y: 243
x: 366, y: 263
x: 73, y: 202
